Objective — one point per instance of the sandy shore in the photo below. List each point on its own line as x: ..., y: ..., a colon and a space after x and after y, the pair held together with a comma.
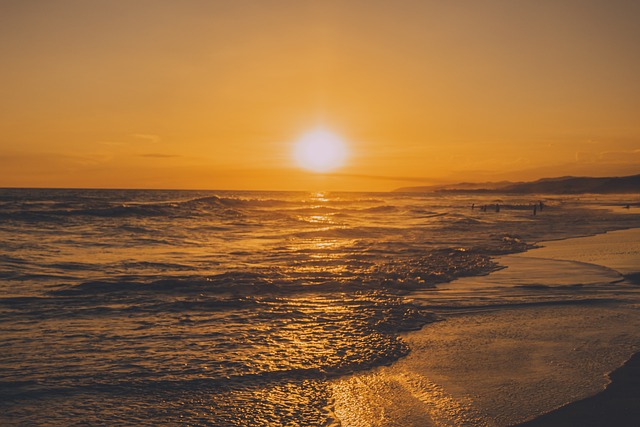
x: 617, y: 405
x: 524, y: 341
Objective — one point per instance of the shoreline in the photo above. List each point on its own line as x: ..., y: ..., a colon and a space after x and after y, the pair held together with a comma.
x: 619, y: 403
x: 560, y: 327
x: 616, y: 405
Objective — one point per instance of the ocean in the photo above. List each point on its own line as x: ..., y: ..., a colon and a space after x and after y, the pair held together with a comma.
x: 223, y: 308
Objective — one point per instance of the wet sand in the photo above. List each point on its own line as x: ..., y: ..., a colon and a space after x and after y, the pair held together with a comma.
x: 618, y: 405
x: 524, y: 341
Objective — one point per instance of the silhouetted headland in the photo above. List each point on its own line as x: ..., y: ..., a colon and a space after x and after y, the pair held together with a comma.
x: 561, y: 185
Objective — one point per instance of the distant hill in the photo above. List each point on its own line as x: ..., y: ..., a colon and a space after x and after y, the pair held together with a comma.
x: 462, y: 186
x: 561, y: 185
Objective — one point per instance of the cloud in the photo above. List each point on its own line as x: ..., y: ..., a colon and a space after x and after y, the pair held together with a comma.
x: 28, y: 168
x: 628, y: 156
x: 618, y: 157
x: 147, y: 137
x: 112, y: 143
x: 159, y: 155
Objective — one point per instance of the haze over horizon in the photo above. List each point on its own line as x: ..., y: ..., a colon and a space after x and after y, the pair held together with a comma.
x: 212, y: 94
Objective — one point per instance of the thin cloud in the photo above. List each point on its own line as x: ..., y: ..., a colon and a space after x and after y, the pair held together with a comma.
x: 147, y: 137
x: 159, y: 155
x: 620, y: 156
x: 112, y: 143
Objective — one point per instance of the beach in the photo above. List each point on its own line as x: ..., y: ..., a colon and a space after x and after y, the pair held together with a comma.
x: 319, y: 213
x: 153, y: 307
x: 543, y: 332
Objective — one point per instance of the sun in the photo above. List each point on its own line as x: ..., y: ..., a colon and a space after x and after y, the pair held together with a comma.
x: 320, y: 151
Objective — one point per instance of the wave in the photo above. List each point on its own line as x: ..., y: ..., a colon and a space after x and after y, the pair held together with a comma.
x: 131, y: 208
x: 203, y: 205
x: 344, y: 232
x: 104, y: 212
x: 412, y: 271
x: 25, y: 390
x: 270, y: 338
x: 233, y: 202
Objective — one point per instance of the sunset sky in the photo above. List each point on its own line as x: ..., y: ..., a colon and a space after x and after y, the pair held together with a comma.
x: 214, y: 94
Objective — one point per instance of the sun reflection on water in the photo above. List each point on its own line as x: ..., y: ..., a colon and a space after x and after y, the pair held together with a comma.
x: 318, y: 219
x: 320, y: 197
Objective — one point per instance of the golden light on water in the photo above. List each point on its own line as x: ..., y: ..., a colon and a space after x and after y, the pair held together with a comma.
x: 320, y: 151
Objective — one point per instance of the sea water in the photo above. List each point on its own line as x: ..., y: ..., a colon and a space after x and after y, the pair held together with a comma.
x: 234, y: 308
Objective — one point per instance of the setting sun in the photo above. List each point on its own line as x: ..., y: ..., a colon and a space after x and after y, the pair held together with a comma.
x: 320, y: 151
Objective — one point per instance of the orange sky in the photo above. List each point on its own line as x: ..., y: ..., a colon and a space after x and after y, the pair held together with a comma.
x: 213, y: 94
